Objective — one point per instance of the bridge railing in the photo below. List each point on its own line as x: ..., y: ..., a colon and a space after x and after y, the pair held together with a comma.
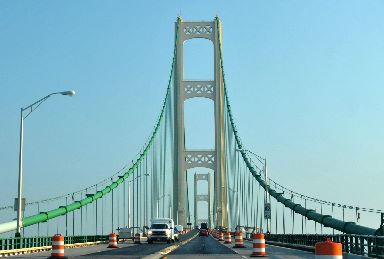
x: 372, y: 246
x: 30, y: 242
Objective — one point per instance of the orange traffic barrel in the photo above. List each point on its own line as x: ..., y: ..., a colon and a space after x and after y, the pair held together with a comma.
x: 239, y: 243
x: 227, y: 238
x: 329, y: 250
x: 112, y: 241
x: 57, y: 247
x: 137, y: 239
x: 258, y: 245
x: 221, y: 236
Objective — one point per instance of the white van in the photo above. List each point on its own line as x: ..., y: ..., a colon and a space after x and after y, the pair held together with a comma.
x: 161, y: 230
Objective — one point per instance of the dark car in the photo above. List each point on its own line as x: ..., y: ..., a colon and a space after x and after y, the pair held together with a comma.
x: 204, y: 225
x: 203, y: 232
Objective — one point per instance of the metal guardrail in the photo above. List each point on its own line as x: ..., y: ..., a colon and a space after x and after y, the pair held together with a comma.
x: 29, y: 242
x: 372, y: 246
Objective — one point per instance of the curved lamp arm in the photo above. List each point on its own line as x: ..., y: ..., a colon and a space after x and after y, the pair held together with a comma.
x: 36, y: 104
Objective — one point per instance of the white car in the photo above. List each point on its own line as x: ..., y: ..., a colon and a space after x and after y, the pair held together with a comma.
x: 161, y: 230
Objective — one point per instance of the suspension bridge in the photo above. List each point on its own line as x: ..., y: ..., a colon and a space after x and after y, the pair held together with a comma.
x: 238, y: 194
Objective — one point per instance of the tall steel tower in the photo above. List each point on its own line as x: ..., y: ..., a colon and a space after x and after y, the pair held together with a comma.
x: 214, y: 90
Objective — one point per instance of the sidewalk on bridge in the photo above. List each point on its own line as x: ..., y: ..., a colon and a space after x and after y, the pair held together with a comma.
x: 72, y: 251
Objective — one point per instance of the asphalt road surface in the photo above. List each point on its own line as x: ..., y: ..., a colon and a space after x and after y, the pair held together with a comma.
x: 125, y: 250
x: 202, y: 245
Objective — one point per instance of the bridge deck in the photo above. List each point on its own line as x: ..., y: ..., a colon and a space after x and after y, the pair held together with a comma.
x: 125, y: 250
x: 199, y: 247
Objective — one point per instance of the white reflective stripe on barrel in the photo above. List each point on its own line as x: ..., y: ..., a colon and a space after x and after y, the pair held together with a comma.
x: 259, y: 241
x: 58, y: 251
x: 57, y: 243
x: 329, y: 256
x: 258, y: 249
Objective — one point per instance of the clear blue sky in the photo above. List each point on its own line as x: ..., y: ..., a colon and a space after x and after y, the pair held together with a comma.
x: 305, y: 81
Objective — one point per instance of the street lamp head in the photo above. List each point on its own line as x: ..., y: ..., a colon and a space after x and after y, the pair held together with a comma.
x: 69, y: 93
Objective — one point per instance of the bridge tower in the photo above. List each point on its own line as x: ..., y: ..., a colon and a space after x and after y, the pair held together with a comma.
x: 202, y: 197
x: 214, y: 90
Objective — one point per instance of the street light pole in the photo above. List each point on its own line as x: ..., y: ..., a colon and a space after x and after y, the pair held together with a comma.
x: 20, y: 185
x: 32, y: 107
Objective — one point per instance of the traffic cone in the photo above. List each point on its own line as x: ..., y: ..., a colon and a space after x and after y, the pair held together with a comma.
x: 258, y: 245
x: 137, y: 239
x: 239, y: 243
x: 227, y: 238
x: 112, y: 241
x: 57, y: 247
x: 221, y: 236
x: 329, y: 250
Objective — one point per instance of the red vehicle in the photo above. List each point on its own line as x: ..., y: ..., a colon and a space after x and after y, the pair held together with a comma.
x: 203, y: 232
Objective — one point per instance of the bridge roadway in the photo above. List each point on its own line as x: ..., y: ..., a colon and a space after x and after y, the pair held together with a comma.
x: 199, y: 247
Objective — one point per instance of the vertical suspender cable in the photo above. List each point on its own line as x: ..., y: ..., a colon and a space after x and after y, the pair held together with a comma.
x: 333, y: 230
x: 249, y: 204
x: 81, y: 217
x: 112, y: 209
x: 302, y: 221
x: 261, y: 213
x: 124, y: 204
x: 96, y: 203
x: 153, y: 197
x: 161, y: 195
x: 252, y: 200
x: 137, y: 197
x: 66, y: 217
x: 315, y: 221
x: 86, y: 214
x: 164, y: 158
x: 129, y: 212
x: 305, y: 219
x: 283, y: 218
x: 275, y: 219
x: 102, y: 216
x: 118, y: 205
x: 256, y: 211
x: 146, y: 191
x: 293, y: 216
x: 38, y: 224
x: 242, y: 196
x: 321, y: 212
x: 133, y: 200
x: 236, y: 184
x: 257, y: 208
